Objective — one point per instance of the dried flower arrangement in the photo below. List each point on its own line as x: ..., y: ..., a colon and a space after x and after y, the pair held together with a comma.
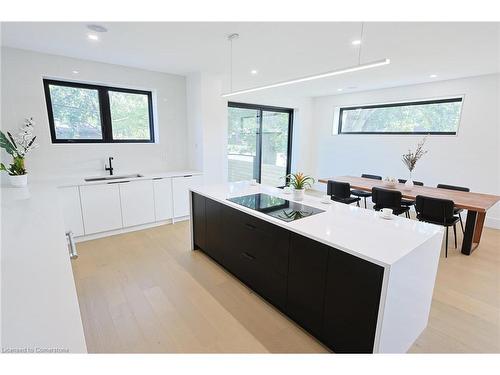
x: 410, y: 158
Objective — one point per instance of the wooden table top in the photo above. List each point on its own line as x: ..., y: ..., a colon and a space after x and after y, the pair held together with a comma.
x: 470, y: 201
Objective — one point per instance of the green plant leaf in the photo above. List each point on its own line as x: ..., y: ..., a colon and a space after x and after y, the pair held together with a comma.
x: 6, y: 144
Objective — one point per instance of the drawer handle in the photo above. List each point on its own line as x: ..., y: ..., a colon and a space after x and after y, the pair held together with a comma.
x: 158, y: 178
x: 248, y: 256
x: 188, y: 175
x: 118, y: 182
x: 250, y: 226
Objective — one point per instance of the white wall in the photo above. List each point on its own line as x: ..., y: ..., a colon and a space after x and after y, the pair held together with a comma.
x: 469, y: 159
x: 207, y: 134
x: 23, y: 96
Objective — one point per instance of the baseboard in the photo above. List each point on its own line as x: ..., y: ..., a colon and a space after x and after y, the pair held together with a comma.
x: 492, y: 222
x: 95, y: 236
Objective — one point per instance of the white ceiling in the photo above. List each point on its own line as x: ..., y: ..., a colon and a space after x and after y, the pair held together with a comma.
x: 279, y: 51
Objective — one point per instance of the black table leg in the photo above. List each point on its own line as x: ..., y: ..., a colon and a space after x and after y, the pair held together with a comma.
x: 470, y: 226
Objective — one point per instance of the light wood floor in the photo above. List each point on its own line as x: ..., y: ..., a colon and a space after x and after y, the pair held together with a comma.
x: 146, y: 292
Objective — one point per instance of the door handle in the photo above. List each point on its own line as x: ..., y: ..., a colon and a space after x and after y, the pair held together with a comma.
x: 248, y: 256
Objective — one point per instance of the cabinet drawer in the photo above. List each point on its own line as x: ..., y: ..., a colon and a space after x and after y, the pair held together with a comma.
x: 253, y: 255
x: 266, y: 242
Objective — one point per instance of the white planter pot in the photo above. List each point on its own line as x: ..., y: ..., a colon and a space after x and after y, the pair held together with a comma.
x: 19, y: 181
x: 298, y: 194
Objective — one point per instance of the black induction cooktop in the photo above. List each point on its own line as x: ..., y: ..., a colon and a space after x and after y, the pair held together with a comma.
x: 276, y: 207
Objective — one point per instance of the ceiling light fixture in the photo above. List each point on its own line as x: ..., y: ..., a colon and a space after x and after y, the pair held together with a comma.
x: 356, y: 42
x: 340, y: 89
x: 356, y: 68
x: 254, y: 71
x: 332, y: 73
x: 433, y: 76
x: 93, y: 37
x: 75, y: 72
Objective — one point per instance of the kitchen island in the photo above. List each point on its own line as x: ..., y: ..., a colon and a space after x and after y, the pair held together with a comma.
x: 355, y: 281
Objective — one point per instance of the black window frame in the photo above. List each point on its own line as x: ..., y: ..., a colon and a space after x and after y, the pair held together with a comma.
x: 263, y: 108
x: 454, y: 99
x: 104, y: 111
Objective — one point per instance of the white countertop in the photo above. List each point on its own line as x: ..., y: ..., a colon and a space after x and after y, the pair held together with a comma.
x: 80, y: 181
x: 355, y: 230
x: 39, y: 302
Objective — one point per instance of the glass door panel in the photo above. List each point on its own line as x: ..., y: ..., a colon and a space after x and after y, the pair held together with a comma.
x: 243, y: 144
x: 275, y: 128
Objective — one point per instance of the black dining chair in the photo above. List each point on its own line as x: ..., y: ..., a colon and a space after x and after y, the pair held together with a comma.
x: 456, y: 211
x: 384, y: 198
x: 365, y: 194
x: 409, y: 202
x: 437, y: 211
x: 341, y: 192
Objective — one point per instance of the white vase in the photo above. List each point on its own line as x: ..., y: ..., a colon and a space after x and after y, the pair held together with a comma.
x: 298, y: 194
x: 409, y: 184
x: 19, y: 181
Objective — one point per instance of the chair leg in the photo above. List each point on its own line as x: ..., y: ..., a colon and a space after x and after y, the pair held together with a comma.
x: 446, y: 251
x: 365, y: 201
x: 455, y: 234
x: 357, y: 203
x: 461, y: 222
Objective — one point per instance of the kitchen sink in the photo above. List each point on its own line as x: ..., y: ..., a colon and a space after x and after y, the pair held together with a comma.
x: 108, y: 178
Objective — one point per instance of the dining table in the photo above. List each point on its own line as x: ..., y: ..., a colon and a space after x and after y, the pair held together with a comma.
x: 476, y: 204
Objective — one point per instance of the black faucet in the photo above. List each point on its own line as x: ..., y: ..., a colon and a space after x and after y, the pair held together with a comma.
x: 110, y: 168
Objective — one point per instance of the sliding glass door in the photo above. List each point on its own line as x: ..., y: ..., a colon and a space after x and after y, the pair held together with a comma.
x: 259, y: 143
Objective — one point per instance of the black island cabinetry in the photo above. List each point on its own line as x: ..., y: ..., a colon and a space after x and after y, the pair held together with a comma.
x: 332, y: 294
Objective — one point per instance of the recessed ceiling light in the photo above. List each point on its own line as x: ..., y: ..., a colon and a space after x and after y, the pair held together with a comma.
x: 93, y: 37
x: 254, y: 71
x: 433, y: 75
x: 75, y: 72
x: 97, y: 28
x: 340, y: 89
x: 356, y: 42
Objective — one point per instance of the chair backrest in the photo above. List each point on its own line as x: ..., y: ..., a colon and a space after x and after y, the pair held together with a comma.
x: 402, y: 181
x: 338, y: 189
x: 372, y: 176
x: 452, y: 187
x: 385, y: 198
x: 435, y: 209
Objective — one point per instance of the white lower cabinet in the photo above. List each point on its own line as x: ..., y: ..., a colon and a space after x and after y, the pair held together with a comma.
x: 137, y: 200
x: 72, y: 211
x: 97, y: 208
x: 180, y: 193
x: 101, y: 208
x: 163, y: 198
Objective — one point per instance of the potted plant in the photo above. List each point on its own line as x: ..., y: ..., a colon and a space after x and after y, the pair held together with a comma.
x: 299, y: 181
x: 18, y: 147
x: 410, y: 160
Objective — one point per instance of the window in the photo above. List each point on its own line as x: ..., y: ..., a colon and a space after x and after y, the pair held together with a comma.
x: 440, y: 116
x: 259, y: 143
x: 84, y: 113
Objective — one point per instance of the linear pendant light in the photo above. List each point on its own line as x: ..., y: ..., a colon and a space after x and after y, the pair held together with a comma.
x: 369, y: 65
x: 332, y: 73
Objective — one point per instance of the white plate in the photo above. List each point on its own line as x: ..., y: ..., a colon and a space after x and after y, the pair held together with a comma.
x: 387, y: 217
